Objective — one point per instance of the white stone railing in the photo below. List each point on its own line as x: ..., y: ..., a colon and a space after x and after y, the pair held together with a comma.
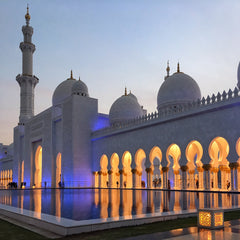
x: 172, y: 111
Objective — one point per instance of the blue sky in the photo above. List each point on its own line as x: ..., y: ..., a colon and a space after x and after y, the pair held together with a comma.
x: 116, y: 43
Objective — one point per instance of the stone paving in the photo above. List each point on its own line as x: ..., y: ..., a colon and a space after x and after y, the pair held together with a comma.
x: 231, y: 231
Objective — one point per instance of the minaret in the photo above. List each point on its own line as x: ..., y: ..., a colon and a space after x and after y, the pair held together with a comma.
x: 27, y: 81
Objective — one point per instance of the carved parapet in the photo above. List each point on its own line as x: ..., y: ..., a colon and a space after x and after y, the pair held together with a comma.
x: 27, y: 78
x: 214, y: 169
x: 165, y: 169
x: 184, y: 168
x: 110, y: 172
x: 148, y: 170
x: 207, y: 167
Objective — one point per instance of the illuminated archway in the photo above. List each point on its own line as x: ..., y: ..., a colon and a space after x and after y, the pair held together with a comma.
x: 155, y: 158
x: 115, y: 180
x: 194, y: 152
x: 127, y: 170
x: 218, y: 151
x: 104, y: 171
x: 38, y: 167
x: 173, y: 156
x: 58, y: 169
x: 140, y: 175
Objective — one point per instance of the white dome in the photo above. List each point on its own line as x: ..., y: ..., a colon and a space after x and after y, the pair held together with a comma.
x: 124, y: 108
x: 178, y: 88
x: 80, y: 88
x: 63, y: 91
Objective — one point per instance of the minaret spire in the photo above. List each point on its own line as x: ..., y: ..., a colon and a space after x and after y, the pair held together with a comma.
x: 27, y: 16
x: 168, y: 70
x: 27, y: 81
x: 71, y: 76
x: 178, y: 67
x: 125, y: 91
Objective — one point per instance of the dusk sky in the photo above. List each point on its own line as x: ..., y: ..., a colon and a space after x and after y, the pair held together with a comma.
x: 116, y: 43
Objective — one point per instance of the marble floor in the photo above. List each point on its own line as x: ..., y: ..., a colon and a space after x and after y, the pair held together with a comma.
x: 231, y: 231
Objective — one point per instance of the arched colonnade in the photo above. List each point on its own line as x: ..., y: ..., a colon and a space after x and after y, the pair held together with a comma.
x: 132, y: 170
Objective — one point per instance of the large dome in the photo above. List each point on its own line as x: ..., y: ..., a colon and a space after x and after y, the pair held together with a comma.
x: 125, y: 108
x: 178, y: 88
x: 63, y: 91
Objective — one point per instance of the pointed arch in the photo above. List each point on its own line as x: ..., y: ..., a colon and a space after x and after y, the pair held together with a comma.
x: 194, y: 152
x: 58, y: 169
x: 140, y: 175
x: 38, y: 167
x: 114, y: 161
x: 127, y: 170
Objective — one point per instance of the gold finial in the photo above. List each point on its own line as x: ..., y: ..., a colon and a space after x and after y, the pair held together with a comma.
x: 27, y: 16
x: 71, y: 77
x: 168, y: 68
x: 125, y: 91
x: 178, y: 67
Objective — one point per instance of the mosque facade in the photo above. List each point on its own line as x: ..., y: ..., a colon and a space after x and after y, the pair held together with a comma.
x: 190, y: 142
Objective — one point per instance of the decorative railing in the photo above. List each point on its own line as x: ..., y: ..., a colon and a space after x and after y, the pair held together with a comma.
x: 173, y: 110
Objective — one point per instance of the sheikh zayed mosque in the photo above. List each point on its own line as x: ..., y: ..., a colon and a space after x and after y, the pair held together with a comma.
x: 190, y: 142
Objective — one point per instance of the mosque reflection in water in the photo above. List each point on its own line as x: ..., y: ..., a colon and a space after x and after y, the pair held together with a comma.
x: 83, y: 204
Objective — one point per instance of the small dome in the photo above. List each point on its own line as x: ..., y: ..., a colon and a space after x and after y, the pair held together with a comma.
x: 124, y: 108
x: 178, y: 88
x: 63, y: 91
x: 80, y: 88
x: 133, y: 96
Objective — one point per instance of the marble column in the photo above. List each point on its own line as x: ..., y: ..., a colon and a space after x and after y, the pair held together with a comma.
x: 238, y: 179
x: 232, y: 169
x: 100, y: 179
x: 215, y: 178
x: 121, y: 172
x: 200, y: 178
x: 134, y: 178
x: 207, y: 168
x: 176, y: 179
x: 184, y: 176
x: 191, y: 179
x: 110, y: 179
x: 223, y: 169
x: 165, y: 177
x: 149, y: 177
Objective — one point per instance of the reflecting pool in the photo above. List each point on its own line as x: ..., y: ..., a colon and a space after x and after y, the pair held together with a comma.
x: 84, y: 204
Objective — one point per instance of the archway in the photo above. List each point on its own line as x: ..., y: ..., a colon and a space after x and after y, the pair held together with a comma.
x: 115, y: 179
x: 155, y: 159
x: 127, y: 170
x: 238, y: 161
x: 38, y: 167
x: 194, y: 152
x: 140, y: 174
x: 173, y: 155
x: 218, y: 151
x: 104, y: 171
x: 58, y: 169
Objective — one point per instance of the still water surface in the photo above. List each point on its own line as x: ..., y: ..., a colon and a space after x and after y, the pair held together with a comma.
x: 84, y: 204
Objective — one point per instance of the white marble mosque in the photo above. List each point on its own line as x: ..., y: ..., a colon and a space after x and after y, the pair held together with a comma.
x: 190, y: 142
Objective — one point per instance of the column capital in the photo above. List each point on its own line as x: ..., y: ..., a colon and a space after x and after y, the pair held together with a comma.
x: 176, y: 172
x: 134, y: 171
x: 95, y: 173
x: 223, y: 167
x: 234, y: 165
x: 214, y: 169
x: 200, y: 169
x: 148, y: 170
x: 110, y: 172
x: 207, y: 167
x: 121, y: 171
x: 99, y: 172
x: 184, y: 168
x: 191, y: 171
x: 165, y: 169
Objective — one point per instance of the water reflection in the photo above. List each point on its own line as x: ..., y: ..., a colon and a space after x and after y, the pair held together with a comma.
x: 82, y: 204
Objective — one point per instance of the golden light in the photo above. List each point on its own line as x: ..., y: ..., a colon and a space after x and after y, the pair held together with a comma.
x: 211, y: 218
